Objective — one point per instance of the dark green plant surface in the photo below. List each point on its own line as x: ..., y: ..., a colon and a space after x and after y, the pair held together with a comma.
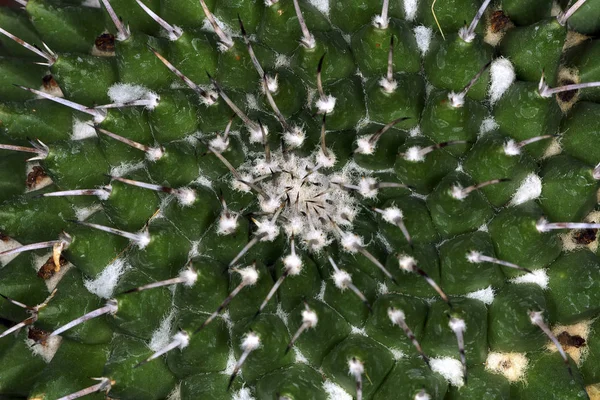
x: 220, y: 200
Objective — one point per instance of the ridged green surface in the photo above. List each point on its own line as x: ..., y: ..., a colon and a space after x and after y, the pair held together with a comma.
x: 271, y: 215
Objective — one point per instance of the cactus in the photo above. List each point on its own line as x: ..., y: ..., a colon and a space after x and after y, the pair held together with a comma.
x: 293, y: 199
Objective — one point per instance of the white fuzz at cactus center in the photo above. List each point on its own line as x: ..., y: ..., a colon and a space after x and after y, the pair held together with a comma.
x: 314, y: 202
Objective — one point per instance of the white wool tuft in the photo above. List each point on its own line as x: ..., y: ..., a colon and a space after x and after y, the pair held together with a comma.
x: 175, y: 393
x: 364, y: 145
x: 256, y: 133
x: 488, y: 125
x: 511, y: 365
x: 474, y: 256
x: 345, y: 215
x: 356, y: 368
x: 457, y: 100
x: 410, y: 9
x: 243, y: 394
x: 542, y: 225
x: 379, y: 22
x: 414, y: 154
x: 46, y: 350
x: 316, y: 239
x: 396, y: 316
x: 162, y: 335
x: 450, y: 368
x: 5, y: 245
x: 82, y: 130
x: 335, y: 392
x: 125, y: 92
x: 502, y: 75
x: 152, y: 100
x: 230, y: 363
x: 325, y: 105
x: 511, y: 148
x: 269, y: 229
x: 596, y: 172
x: 228, y: 223
x: 407, y: 263
x: 143, y: 239
x: 342, y: 279
x: 282, y: 61
x: 252, y: 101
x: 358, y: 331
x: 457, y: 325
x: 422, y: 395
x: 368, y: 187
x: 466, y: 35
x: 272, y: 84
x: 125, y: 168
x: 186, y: 196
x: 219, y: 144
x: 382, y: 288
x: 309, y: 317
x: 105, y: 282
x: 397, y: 354
x: 249, y: 275
x: 538, y: 276
x: 282, y: 315
x: 388, y: 86
x: 392, y: 214
x: 325, y: 161
x: 241, y: 186
x: 414, y: 132
x: 189, y: 277
x: 321, y: 5
x: 321, y: 295
x: 91, y: 3
x: 104, y: 193
x: 486, y: 296
x: 295, y: 226
x: 299, y: 357
x: 423, y: 36
x: 458, y: 192
x: 154, y: 153
x: 251, y: 342
x: 182, y: 338
x: 293, y: 264
x: 536, y: 317
x: 351, y: 242
x: 204, y: 181
x: 530, y: 188
x: 295, y: 138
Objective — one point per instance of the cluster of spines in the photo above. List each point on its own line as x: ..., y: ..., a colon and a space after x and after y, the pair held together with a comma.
x: 351, y: 242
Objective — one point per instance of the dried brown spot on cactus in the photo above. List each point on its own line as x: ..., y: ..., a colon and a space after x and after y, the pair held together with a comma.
x: 37, y: 335
x: 49, y: 83
x: 105, y: 43
x: 585, y: 236
x: 567, y: 96
x: 499, y: 21
x: 567, y: 340
x: 35, y: 177
x: 48, y: 270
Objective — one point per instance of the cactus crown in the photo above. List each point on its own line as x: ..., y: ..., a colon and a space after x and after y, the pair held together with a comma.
x: 299, y: 199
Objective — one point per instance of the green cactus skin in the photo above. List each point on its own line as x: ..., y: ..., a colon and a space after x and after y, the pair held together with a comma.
x: 299, y: 199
